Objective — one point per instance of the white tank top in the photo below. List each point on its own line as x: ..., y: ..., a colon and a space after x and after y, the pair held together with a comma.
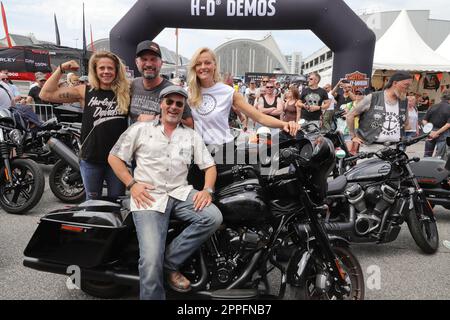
x: 211, y: 118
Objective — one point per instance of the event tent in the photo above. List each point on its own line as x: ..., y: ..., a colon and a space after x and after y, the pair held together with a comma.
x: 402, y: 48
x: 444, y: 48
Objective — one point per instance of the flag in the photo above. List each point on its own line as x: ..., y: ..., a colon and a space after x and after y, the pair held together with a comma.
x: 85, y: 66
x: 92, y: 40
x: 5, y: 25
x: 58, y: 39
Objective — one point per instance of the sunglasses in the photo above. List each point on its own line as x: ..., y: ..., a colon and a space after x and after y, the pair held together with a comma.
x: 264, y: 81
x: 170, y: 102
x: 269, y: 87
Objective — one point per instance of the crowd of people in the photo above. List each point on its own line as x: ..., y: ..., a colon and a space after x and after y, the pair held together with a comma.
x: 144, y: 135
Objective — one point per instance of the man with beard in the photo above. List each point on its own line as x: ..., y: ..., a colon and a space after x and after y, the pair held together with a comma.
x: 145, y: 90
x: 383, y: 115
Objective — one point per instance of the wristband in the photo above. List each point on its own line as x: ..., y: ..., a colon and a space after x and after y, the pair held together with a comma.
x: 131, y: 184
x: 61, y: 69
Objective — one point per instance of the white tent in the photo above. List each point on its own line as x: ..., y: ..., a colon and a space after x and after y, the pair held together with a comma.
x: 402, y: 48
x: 444, y: 48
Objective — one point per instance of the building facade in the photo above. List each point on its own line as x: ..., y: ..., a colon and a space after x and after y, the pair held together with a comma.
x: 239, y: 56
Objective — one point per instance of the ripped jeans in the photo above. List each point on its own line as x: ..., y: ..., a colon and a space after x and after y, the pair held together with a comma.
x: 93, y: 175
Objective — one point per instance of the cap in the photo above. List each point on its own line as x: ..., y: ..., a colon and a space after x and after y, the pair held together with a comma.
x: 40, y: 77
x: 173, y: 90
x: 398, y: 76
x: 148, y: 45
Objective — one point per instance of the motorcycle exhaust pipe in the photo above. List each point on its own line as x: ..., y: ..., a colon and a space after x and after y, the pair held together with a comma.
x: 334, y: 226
x: 64, y: 152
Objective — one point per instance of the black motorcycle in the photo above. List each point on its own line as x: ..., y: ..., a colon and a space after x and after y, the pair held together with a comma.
x: 433, y: 175
x: 21, y: 180
x: 370, y: 202
x: 259, y: 216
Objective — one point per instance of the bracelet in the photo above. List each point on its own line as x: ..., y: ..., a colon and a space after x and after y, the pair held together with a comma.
x: 131, y: 184
x: 61, y: 69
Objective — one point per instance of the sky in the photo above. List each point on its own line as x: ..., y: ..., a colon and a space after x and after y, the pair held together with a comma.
x: 31, y: 16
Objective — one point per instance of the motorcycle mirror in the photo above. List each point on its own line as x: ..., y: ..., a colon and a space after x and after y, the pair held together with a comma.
x: 427, y: 128
x: 340, y: 154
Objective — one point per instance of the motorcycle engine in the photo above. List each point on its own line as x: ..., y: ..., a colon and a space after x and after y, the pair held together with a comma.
x: 370, y: 204
x: 233, y: 251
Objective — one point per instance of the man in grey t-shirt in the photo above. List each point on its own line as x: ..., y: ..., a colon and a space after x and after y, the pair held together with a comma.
x: 145, y: 90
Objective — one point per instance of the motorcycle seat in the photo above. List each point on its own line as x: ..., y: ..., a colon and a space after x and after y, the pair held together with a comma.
x: 337, y: 186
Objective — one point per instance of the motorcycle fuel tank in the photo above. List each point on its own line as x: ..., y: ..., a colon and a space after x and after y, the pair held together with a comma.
x: 370, y: 170
x: 430, y: 171
x: 242, y: 203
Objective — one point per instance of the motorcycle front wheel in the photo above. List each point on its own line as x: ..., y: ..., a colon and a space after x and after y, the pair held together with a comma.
x: 422, y: 225
x: 313, y: 284
x: 62, y: 187
x: 25, y: 187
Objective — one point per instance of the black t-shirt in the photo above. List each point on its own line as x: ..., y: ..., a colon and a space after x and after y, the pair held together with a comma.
x: 102, y: 125
x: 424, y: 106
x: 438, y: 115
x: 34, y: 93
x: 313, y: 97
x: 340, y: 100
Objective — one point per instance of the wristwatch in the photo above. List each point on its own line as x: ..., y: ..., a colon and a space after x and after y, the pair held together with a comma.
x: 209, y: 190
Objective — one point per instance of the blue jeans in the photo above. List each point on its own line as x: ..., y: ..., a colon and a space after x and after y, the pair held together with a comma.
x: 93, y: 175
x: 440, y: 144
x: 151, y: 228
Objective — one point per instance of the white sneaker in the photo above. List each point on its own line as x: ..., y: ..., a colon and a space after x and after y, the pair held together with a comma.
x: 446, y: 244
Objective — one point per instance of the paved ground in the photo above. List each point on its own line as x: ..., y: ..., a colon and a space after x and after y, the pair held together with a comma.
x: 405, y: 272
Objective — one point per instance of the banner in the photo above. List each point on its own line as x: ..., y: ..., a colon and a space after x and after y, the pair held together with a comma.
x: 22, y: 60
x: 431, y: 82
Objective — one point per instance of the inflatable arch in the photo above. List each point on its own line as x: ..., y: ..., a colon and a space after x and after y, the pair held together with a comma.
x: 332, y: 21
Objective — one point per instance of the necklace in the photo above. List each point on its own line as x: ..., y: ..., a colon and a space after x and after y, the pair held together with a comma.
x: 389, y: 102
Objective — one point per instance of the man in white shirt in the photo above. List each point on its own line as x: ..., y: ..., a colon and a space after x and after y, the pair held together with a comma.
x: 6, y: 95
x: 163, y: 151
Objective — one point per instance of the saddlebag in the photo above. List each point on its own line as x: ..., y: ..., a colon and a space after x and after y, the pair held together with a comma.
x: 89, y: 235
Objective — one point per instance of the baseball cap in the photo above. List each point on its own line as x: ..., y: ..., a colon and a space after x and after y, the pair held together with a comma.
x: 173, y: 90
x: 148, y: 45
x: 40, y: 76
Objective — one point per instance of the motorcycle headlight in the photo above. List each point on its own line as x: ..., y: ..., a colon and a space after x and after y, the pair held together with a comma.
x: 16, y: 136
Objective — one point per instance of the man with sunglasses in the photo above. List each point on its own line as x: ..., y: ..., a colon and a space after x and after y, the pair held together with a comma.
x: 314, y: 100
x: 163, y: 150
x: 33, y: 95
x: 145, y: 90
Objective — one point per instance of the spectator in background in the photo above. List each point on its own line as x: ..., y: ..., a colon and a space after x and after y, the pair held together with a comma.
x: 270, y: 104
x: 413, y: 117
x: 84, y: 80
x: 424, y: 102
x: 6, y: 95
x: 250, y: 93
x: 33, y: 95
x: 314, y: 100
x: 439, y: 116
x: 291, y: 109
x: 329, y: 113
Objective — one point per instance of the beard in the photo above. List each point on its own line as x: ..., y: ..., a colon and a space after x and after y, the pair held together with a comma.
x: 400, y: 95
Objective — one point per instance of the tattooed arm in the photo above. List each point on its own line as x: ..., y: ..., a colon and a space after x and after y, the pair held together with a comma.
x: 50, y: 91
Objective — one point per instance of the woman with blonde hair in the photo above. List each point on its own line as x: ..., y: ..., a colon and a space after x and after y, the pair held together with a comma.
x: 105, y: 111
x: 211, y: 102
